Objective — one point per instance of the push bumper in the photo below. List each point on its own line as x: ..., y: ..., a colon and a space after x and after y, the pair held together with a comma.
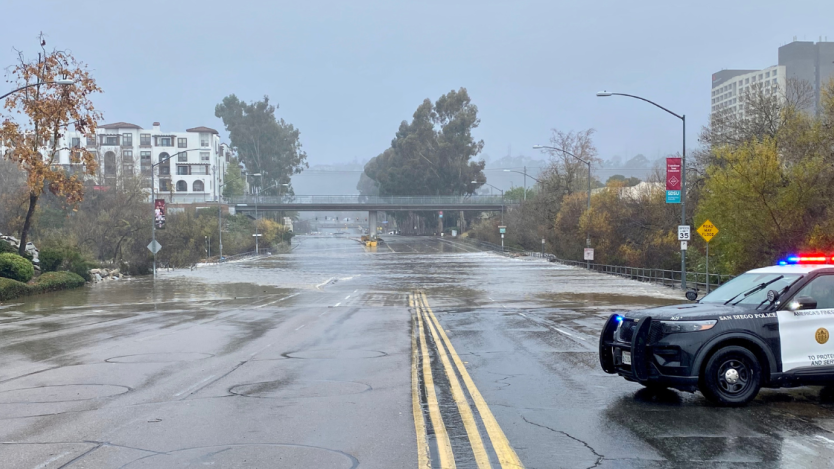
x: 637, y: 360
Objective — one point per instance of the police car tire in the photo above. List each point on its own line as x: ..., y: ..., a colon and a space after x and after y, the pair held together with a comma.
x: 748, y: 369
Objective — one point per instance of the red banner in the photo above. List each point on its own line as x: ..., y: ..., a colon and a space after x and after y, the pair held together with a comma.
x: 673, y: 174
x: 159, y: 213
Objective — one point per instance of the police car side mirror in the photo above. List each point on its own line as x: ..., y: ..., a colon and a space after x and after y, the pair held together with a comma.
x: 803, y: 302
x: 691, y: 295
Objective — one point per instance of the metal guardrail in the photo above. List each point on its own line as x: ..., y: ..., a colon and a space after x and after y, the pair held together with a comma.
x: 371, y: 200
x: 671, y: 278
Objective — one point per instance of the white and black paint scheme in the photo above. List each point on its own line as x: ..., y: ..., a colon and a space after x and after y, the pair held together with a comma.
x: 769, y: 327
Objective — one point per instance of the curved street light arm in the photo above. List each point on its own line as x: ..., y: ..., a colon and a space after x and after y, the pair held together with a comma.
x: 648, y: 101
x: 519, y: 172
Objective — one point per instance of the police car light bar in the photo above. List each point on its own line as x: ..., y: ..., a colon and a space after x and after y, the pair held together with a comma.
x: 807, y: 259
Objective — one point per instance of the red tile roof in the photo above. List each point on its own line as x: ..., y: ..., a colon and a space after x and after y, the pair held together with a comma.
x: 203, y: 129
x: 119, y: 125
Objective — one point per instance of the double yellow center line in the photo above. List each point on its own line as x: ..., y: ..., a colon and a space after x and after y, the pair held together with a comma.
x: 424, y: 318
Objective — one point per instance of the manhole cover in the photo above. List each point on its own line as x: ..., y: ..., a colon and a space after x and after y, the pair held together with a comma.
x: 335, y: 354
x: 298, y: 389
x: 60, y: 393
x: 160, y: 357
x: 264, y: 455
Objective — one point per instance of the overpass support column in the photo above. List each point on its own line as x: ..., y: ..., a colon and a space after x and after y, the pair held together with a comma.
x: 372, y: 223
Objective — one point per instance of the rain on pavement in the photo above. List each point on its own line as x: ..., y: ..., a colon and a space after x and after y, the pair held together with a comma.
x: 332, y: 355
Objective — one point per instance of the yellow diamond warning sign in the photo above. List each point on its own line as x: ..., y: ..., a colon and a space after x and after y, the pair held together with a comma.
x: 707, y: 231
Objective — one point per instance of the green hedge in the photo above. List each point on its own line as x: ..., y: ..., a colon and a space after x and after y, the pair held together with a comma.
x: 48, y: 282
x: 15, y: 267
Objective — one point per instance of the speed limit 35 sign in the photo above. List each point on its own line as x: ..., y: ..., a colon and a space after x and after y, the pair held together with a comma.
x: 684, y: 233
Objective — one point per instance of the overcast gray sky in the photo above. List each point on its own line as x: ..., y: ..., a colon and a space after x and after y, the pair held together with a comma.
x: 346, y: 73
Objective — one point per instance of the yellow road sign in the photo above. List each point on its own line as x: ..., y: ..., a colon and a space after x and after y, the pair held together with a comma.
x: 707, y: 231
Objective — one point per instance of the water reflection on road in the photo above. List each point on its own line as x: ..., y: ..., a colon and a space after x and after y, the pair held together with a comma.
x: 318, y: 339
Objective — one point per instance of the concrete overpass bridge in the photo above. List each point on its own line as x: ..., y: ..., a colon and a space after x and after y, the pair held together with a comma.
x: 371, y: 204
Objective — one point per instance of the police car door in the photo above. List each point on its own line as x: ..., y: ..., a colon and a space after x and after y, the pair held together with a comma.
x: 805, y: 327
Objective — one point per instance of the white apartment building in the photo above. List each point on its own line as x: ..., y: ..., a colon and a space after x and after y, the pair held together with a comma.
x: 730, y: 86
x: 194, y: 173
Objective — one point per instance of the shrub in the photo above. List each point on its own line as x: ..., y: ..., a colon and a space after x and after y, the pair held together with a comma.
x: 51, y: 259
x: 7, y: 247
x: 53, y: 281
x: 75, y: 262
x: 15, y: 267
x: 48, y: 282
x: 12, y: 289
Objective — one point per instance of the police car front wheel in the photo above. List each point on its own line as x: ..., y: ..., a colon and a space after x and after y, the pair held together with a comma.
x: 732, y: 376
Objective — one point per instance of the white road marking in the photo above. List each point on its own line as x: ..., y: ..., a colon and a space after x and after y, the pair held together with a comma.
x: 347, y: 297
x: 299, y: 327
x: 337, y: 304
x: 318, y: 287
x: 322, y: 314
x: 193, y: 386
x: 555, y: 328
x: 51, y: 460
x: 354, y: 291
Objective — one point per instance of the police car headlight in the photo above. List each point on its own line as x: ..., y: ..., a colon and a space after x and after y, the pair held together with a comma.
x: 674, y: 327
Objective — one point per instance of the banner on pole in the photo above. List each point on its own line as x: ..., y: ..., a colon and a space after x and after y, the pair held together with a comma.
x: 159, y: 214
x: 673, y: 180
x: 673, y: 174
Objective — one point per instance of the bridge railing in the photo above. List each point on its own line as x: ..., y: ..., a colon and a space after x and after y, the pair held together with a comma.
x: 368, y: 200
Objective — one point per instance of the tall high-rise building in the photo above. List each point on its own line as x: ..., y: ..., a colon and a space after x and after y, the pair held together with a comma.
x: 805, y: 61
x: 809, y: 62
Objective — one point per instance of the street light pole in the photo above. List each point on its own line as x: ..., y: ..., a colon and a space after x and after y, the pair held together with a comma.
x: 587, y: 162
x: 682, y: 117
x: 502, y: 199
x: 153, y: 198
x: 257, y: 196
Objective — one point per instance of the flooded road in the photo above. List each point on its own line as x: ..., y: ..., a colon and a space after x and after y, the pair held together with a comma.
x: 334, y: 355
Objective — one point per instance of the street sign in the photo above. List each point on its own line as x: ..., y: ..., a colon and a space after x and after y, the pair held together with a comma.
x: 154, y: 246
x: 502, y: 235
x: 707, y: 231
x: 542, y: 240
x: 502, y: 229
x: 441, y: 214
x: 673, y: 197
x: 589, y: 254
x: 684, y: 245
x: 684, y: 234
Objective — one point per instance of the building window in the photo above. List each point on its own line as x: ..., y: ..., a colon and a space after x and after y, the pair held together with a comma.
x: 183, y: 170
x: 109, y: 164
x: 127, y: 156
x: 746, y: 81
x: 127, y: 140
x: 145, y: 139
x: 91, y: 141
x: 182, y: 143
x: 127, y: 169
x: 76, y: 142
x: 111, y: 139
x: 182, y: 157
x: 205, y: 155
x: 164, y: 142
x: 164, y: 185
x: 164, y: 168
x: 204, y: 140
x: 182, y: 186
x: 199, y: 169
x: 145, y: 161
x: 198, y: 186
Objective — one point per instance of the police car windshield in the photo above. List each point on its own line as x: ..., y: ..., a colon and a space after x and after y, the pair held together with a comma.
x: 742, y: 284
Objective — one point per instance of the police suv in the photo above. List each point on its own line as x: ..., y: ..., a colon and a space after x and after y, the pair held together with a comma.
x: 769, y: 327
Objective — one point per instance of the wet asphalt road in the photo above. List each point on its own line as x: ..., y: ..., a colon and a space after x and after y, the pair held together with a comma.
x: 327, y: 357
